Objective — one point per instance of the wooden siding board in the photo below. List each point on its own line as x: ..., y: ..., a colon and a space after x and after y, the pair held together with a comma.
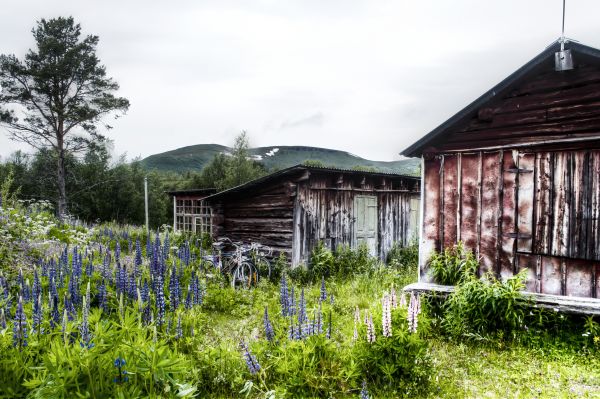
x: 525, y: 206
x: 579, y: 280
x: 450, y: 204
x: 507, y: 211
x: 470, y: 200
x: 489, y: 209
x: 430, y: 237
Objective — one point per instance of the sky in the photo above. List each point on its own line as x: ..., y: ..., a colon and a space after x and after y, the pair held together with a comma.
x: 368, y: 77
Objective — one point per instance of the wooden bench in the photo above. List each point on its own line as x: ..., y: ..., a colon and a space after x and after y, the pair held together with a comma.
x: 559, y: 303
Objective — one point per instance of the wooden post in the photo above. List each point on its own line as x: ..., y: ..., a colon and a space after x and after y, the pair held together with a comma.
x: 146, y: 203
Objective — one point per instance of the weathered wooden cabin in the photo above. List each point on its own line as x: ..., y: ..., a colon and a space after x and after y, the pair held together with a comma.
x: 295, y: 208
x: 516, y: 175
x: 190, y: 214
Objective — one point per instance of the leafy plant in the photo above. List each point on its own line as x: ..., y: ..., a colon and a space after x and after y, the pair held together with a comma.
x: 453, y: 265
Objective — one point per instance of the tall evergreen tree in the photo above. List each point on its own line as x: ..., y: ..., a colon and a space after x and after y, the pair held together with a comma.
x: 56, y: 97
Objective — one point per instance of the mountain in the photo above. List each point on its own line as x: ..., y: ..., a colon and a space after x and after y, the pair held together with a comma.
x: 195, y: 157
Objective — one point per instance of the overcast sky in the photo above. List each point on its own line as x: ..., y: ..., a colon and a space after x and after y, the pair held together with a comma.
x: 369, y: 77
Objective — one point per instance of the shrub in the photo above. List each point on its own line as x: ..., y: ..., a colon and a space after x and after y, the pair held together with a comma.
x: 453, y: 265
x: 481, y: 307
x: 401, y: 257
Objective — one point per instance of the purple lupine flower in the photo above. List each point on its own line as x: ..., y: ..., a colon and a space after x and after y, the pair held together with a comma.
x: 145, y: 292
x: 160, y: 301
x: 197, y: 290
x: 74, y: 289
x: 69, y: 308
x: 122, y: 374
x: 20, y: 326
x: 138, y: 258
x: 364, y: 393
x: 386, y: 316
x: 370, y: 330
x: 84, y: 328
x: 269, y: 333
x: 89, y: 269
x: 38, y: 315
x: 292, y: 303
x: 117, y: 252
x: 188, y: 298
x: 284, y: 299
x: 102, y: 295
x: 6, y: 294
x: 166, y: 247
x: 178, y: 329
x: 132, y: 288
x: 54, y: 314
x: 323, y: 295
x: 292, y: 329
x: 148, y: 247
x: 174, y: 289
x: 251, y: 361
x: 36, y: 290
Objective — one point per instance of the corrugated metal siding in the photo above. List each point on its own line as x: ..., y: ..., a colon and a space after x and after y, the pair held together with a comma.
x: 519, y: 209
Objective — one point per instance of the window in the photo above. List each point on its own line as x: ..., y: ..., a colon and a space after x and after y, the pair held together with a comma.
x: 193, y: 215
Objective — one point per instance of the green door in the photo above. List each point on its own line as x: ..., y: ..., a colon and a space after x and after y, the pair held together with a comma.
x: 365, y: 217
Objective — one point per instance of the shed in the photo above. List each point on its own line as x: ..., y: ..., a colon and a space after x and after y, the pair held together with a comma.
x: 515, y: 176
x: 190, y: 214
x: 293, y: 209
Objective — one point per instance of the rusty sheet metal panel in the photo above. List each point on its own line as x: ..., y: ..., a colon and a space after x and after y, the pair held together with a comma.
x: 525, y: 201
x: 594, y: 225
x: 470, y: 186
x: 579, y: 278
x: 489, y: 211
x: 430, y: 237
x: 529, y: 262
x: 551, y: 275
x: 561, y: 204
x: 578, y: 205
x: 543, y: 203
x: 450, y: 200
x: 508, y: 210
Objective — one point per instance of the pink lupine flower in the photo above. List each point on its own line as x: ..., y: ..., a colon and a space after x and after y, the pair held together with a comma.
x: 386, y: 317
x: 414, y: 308
x: 370, y: 330
x: 402, y: 303
x: 393, y: 297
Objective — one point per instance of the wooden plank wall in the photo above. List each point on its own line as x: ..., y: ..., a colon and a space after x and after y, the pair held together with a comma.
x: 324, y: 211
x: 514, y: 209
x: 264, y: 216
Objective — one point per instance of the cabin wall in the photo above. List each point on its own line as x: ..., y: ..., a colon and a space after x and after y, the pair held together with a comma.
x: 265, y: 216
x: 536, y: 208
x: 324, y: 211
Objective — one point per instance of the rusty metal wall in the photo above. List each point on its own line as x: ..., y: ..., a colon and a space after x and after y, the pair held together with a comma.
x: 515, y: 209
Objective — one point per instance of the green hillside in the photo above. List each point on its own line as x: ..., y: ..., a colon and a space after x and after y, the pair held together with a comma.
x: 195, y: 157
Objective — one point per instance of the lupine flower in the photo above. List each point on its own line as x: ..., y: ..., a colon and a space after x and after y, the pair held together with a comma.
x: 122, y: 374
x: 292, y: 303
x: 269, y: 333
x: 364, y: 393
x: 64, y: 326
x: 148, y: 247
x: 284, y: 299
x: 356, y: 322
x: 323, y: 295
x: 251, y: 361
x: 54, y: 314
x: 174, y: 290
x: 102, y: 295
x: 138, y: 258
x: 37, y: 287
x: 370, y: 330
x: 20, y: 326
x: 414, y: 308
x: 319, y: 321
x: 179, y: 330
x: 386, y: 317
x: 188, y: 298
x: 74, y: 289
x: 302, y: 308
x: 160, y: 301
x: 117, y: 252
x: 393, y: 298
x: 166, y: 247
x: 84, y: 329
x: 402, y: 303
x: 38, y: 315
x: 69, y: 307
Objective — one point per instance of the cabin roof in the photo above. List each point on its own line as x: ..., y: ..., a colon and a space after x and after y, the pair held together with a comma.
x: 193, y: 191
x: 302, y: 168
x: 542, y: 61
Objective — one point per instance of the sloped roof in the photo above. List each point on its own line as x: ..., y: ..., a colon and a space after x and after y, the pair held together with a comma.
x: 300, y: 168
x: 543, y: 60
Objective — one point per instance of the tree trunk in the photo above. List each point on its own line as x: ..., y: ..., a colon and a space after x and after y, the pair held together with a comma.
x: 62, y: 192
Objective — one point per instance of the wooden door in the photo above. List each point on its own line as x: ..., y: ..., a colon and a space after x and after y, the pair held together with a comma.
x: 365, y: 216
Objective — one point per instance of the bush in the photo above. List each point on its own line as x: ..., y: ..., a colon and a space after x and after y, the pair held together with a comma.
x: 482, y: 307
x: 453, y: 266
x: 401, y: 257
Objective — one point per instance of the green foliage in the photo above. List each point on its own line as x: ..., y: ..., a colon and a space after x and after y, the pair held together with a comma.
x: 403, y: 257
x: 453, y: 265
x: 226, y: 171
x: 488, y: 306
x: 314, y: 163
x: 399, y: 363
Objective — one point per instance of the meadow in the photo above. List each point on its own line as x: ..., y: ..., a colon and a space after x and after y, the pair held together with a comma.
x: 111, y: 311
